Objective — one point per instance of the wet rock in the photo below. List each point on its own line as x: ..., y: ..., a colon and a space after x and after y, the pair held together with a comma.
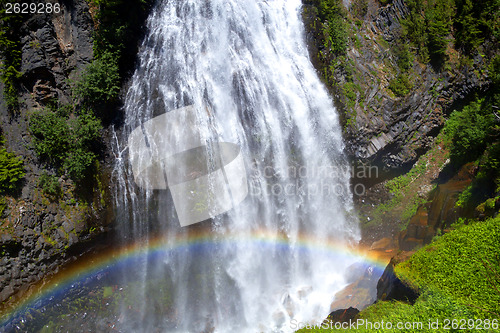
x: 381, y: 244
x: 6, y: 293
x: 343, y: 315
x: 390, y: 287
x: 439, y: 214
x: 68, y: 226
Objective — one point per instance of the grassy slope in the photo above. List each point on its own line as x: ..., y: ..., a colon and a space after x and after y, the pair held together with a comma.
x: 458, y: 276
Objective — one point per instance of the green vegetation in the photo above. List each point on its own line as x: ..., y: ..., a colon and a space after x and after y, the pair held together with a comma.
x: 428, y: 27
x: 67, y: 143
x: 457, y: 276
x: 464, y: 264
x: 404, y: 57
x: 469, y: 130
x: 405, y: 199
x: 100, y: 82
x: 49, y: 185
x: 400, y: 85
x: 11, y: 170
x: 351, y: 91
x: 10, y: 52
x: 333, y: 14
x: 11, y: 173
x: 475, y: 20
x: 473, y: 134
x: 116, y: 22
x: 359, y: 8
x: 431, y: 25
x: 51, y: 135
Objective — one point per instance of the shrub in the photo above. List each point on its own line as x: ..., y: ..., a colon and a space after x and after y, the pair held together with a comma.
x: 67, y: 143
x: 337, y: 35
x: 428, y: 26
x: 468, y: 130
x: 78, y: 162
x: 85, y: 130
x: 403, y: 55
x: 457, y: 276
x: 100, y: 81
x: 52, y: 135
x: 359, y: 8
x: 10, y: 51
x: 400, y: 85
x: 49, y: 184
x: 11, y: 170
x: 332, y: 13
x: 476, y: 20
x: 439, y: 18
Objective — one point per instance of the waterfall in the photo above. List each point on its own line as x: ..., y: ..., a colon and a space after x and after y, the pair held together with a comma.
x: 238, y: 71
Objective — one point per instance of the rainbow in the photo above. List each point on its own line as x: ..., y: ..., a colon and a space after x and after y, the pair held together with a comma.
x: 91, y: 267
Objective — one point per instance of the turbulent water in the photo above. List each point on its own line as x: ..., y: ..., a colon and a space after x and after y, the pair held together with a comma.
x: 244, y: 67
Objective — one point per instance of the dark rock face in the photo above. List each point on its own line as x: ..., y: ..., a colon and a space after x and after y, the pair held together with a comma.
x: 53, y: 47
x: 390, y: 287
x: 343, y: 315
x: 438, y: 214
x: 40, y: 234
x: 382, y: 129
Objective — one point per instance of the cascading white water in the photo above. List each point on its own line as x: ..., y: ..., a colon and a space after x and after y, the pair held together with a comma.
x: 246, y: 62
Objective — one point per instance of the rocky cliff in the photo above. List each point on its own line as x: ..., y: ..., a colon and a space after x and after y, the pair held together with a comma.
x: 383, y: 128
x: 41, y: 231
x: 393, y: 101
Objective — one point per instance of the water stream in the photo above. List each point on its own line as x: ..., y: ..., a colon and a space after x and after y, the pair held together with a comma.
x: 243, y: 69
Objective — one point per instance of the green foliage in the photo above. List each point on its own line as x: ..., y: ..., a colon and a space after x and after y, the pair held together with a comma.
x: 458, y: 277
x: 469, y: 130
x: 464, y: 264
x: 351, y: 91
x: 332, y: 14
x: 78, y: 162
x: 118, y: 26
x: 490, y: 164
x: 430, y: 307
x: 11, y: 170
x: 400, y: 85
x: 404, y: 202
x: 483, y: 191
x: 464, y: 197
x: 494, y: 70
x: 475, y: 21
x: 428, y: 26
x: 51, y: 134
x: 10, y: 52
x: 439, y: 18
x: 49, y: 184
x: 396, y: 184
x: 403, y: 56
x: 494, y: 74
x: 359, y: 8
x: 414, y: 27
x: 116, y: 21
x: 100, y: 82
x: 66, y: 143
x: 3, y: 206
